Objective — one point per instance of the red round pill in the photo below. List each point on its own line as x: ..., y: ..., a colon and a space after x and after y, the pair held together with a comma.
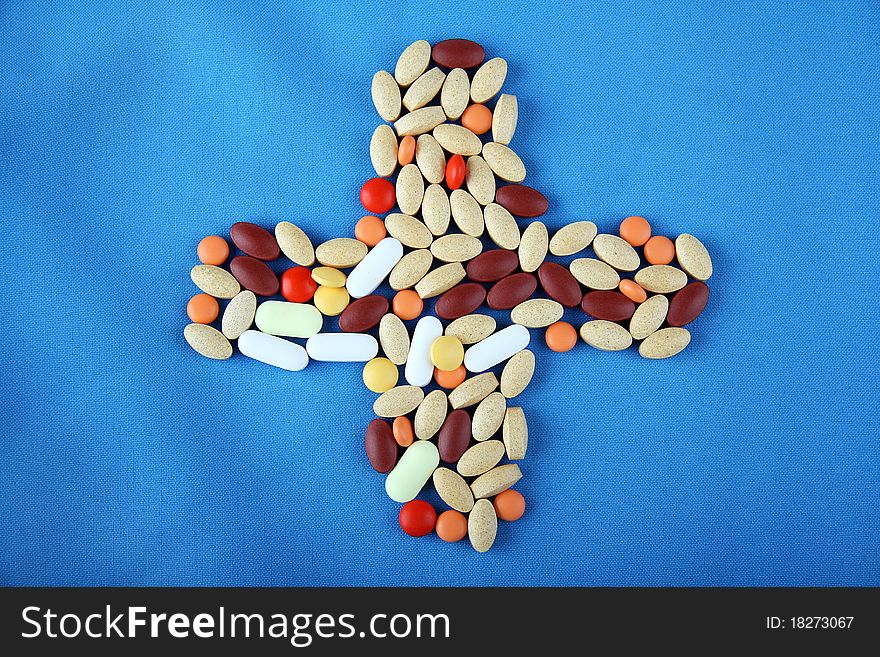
x: 455, y: 170
x: 417, y: 518
x: 377, y: 195
x: 297, y: 284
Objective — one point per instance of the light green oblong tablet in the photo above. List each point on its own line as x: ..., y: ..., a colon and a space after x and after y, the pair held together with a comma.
x: 291, y: 320
x: 412, y: 471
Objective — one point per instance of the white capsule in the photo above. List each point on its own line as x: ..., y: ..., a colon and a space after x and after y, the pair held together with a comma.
x: 374, y: 268
x: 342, y: 347
x: 273, y: 350
x: 419, y: 368
x: 497, y: 348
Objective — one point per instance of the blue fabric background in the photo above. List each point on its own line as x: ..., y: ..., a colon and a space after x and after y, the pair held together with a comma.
x: 128, y: 134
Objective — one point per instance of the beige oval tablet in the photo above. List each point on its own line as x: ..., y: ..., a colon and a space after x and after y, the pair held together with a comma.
x: 480, y: 458
x: 482, y: 526
x: 398, y: 401
x: 424, y: 89
x: 435, y: 210
x: 466, y: 212
x: 488, y: 80
x: 662, y: 279
x: 207, y: 341
x: 594, y: 274
x: 497, y: 480
x: 616, y: 252
x: 648, y: 317
x: 386, y: 95
x: 440, y: 280
x: 480, y: 180
x: 383, y: 150
x: 665, y: 343
x: 410, y: 269
x: 341, y: 252
x: 517, y: 373
x: 605, y: 335
x: 394, y: 338
x: 488, y: 416
x: 504, y: 118
x: 537, y: 313
x: 430, y: 415
x: 470, y: 329
x: 413, y: 61
x: 215, y: 281
x: 457, y: 139
x: 501, y: 226
x: 239, y: 314
x: 533, y: 246
x: 453, y: 490
x: 515, y: 433
x: 504, y: 163
x: 430, y: 159
x: 295, y: 244
x: 456, y: 247
x: 693, y: 257
x: 408, y: 230
x: 410, y: 188
x: 419, y: 122
x: 473, y: 390
x: 456, y: 93
x: 573, y: 238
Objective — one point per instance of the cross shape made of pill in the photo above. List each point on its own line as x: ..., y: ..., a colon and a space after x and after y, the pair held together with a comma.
x: 445, y: 210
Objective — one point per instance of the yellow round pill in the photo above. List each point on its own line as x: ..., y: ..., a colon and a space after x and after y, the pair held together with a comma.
x: 380, y: 375
x: 328, y: 276
x: 331, y: 300
x: 447, y: 353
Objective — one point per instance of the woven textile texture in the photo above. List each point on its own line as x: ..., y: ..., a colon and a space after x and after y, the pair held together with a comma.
x: 129, y: 130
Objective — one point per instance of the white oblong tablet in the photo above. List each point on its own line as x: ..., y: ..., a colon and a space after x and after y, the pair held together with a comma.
x: 419, y: 368
x: 374, y: 268
x: 497, y: 348
x: 273, y: 350
x: 342, y: 347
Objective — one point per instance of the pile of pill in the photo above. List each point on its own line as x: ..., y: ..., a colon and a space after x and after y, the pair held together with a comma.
x: 457, y: 189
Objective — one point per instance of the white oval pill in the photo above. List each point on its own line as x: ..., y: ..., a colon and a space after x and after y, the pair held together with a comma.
x: 273, y: 350
x: 497, y: 348
x: 342, y: 347
x: 419, y: 368
x: 374, y: 268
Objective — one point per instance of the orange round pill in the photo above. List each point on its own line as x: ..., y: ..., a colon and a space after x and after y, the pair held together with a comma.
x: 407, y: 304
x: 635, y: 230
x: 403, y: 431
x: 213, y: 250
x: 406, y: 151
x: 633, y: 290
x: 451, y: 526
x: 509, y: 505
x: 477, y: 119
x: 659, y: 250
x: 370, y: 230
x: 203, y: 309
x: 452, y: 378
x: 561, y: 336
